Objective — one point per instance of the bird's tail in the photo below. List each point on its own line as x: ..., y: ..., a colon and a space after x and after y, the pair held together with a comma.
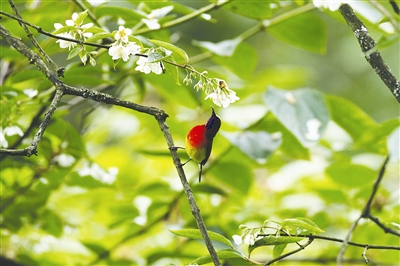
x: 200, y: 171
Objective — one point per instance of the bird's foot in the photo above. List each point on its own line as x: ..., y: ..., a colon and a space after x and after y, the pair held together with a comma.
x: 174, y: 148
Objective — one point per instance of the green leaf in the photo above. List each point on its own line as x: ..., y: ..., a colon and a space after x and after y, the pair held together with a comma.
x: 350, y: 175
x: 297, y: 109
x: 222, y: 254
x: 257, y: 145
x: 195, y: 234
x: 99, y: 36
x: 234, y: 175
x: 349, y: 116
x: 223, y: 48
x: 301, y: 226
x: 173, y: 48
x: 278, y: 250
x: 252, y: 9
x: 172, y: 71
x: 306, y: 31
x: 74, y: 52
x: 242, y: 62
x: 374, y: 138
x: 273, y: 241
x: 125, y: 13
x: 81, y: 17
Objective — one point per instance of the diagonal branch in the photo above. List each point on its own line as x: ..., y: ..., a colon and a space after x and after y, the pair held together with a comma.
x: 367, y: 214
x: 62, y: 89
x: 367, y: 44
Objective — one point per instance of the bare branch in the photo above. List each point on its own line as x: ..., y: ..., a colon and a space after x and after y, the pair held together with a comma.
x: 367, y: 44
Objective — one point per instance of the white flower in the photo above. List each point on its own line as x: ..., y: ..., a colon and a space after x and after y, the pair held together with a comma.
x: 249, y: 239
x: 332, y: 5
x: 99, y: 173
x: 313, y: 126
x: 31, y: 92
x: 222, y: 96
x: 152, y: 19
x: 9, y: 131
x: 237, y: 239
x: 146, y: 67
x: 117, y: 51
x: 122, y: 34
x: 64, y: 43
x: 64, y: 160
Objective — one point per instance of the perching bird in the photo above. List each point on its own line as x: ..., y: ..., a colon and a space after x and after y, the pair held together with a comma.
x: 199, y: 140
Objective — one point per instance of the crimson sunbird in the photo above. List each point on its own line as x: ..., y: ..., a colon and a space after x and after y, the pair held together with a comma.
x: 199, y: 140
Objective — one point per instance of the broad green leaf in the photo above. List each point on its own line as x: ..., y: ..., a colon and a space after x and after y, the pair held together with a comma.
x: 172, y: 71
x: 252, y: 9
x: 118, y: 11
x: 174, y: 49
x: 306, y: 31
x: 195, y: 234
x: 74, y: 52
x: 301, y: 226
x: 273, y: 241
x: 242, y: 62
x: 223, y: 48
x: 257, y: 145
x: 234, y: 175
x: 350, y: 175
x: 222, y: 254
x: 278, y: 250
x: 349, y: 116
x: 95, y: 247
x: 99, y: 36
x: 81, y: 17
x: 303, y: 112
x: 374, y: 138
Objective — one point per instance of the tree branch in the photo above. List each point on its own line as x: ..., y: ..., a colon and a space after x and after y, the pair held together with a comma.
x: 63, y: 89
x: 367, y: 214
x: 367, y: 44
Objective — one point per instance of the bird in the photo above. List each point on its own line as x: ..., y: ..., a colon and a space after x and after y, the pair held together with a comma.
x: 199, y: 141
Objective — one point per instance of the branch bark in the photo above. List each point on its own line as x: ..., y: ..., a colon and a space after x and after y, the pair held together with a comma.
x: 367, y: 44
x: 63, y: 89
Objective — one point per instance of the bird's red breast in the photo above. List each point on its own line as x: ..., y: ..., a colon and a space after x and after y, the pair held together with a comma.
x: 196, y: 143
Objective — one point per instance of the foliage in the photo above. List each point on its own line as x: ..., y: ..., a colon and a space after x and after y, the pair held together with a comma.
x: 297, y: 156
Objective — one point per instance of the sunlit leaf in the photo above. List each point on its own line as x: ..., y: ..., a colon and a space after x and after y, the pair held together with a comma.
x: 273, y: 241
x: 173, y: 48
x: 349, y: 116
x: 350, y: 175
x: 301, y: 226
x: 307, y: 31
x: 195, y: 234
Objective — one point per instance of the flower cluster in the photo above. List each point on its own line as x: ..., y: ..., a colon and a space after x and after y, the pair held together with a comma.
x: 149, y: 59
x: 122, y: 47
x: 249, y: 236
x: 74, y: 28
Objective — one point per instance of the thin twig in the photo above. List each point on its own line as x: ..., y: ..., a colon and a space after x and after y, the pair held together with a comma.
x: 33, y: 40
x: 365, y: 213
x: 367, y: 44
x: 62, y: 89
x: 310, y: 240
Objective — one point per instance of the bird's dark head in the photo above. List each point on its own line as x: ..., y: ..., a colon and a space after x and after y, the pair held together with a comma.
x: 213, y: 124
